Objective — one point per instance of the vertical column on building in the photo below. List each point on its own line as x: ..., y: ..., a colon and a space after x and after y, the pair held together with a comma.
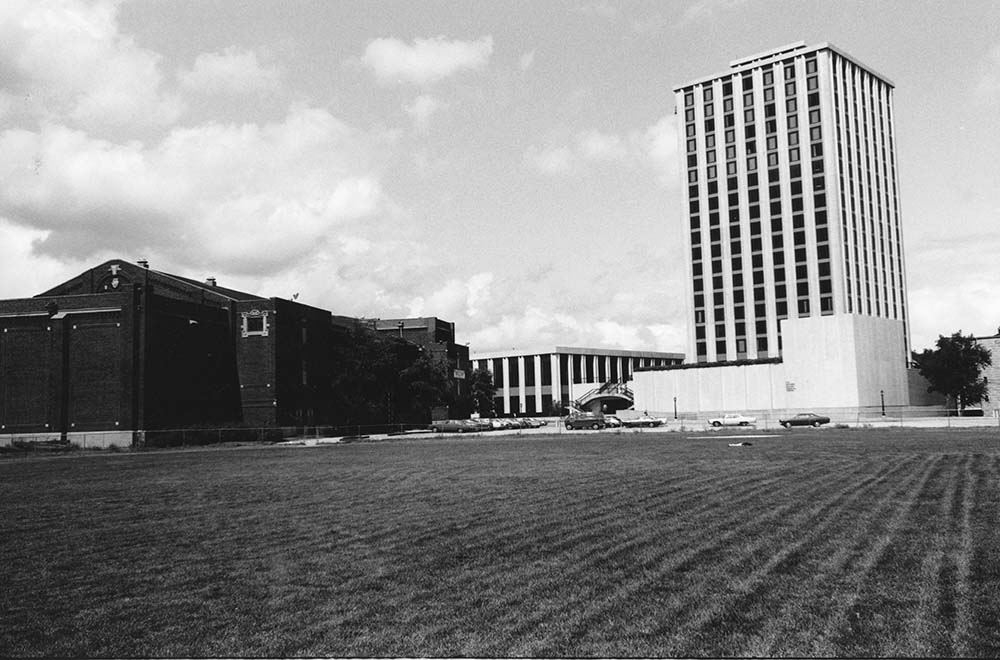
x: 522, y: 388
x: 571, y: 376
x: 556, y: 378
x: 506, y: 385
x: 537, y: 360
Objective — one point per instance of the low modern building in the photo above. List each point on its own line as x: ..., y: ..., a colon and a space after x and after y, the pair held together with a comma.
x: 545, y: 381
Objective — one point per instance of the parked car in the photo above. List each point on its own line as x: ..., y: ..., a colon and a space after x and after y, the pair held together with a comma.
x: 585, y: 421
x: 644, y: 421
x: 483, y: 424
x: 454, y: 426
x: 501, y: 424
x: 804, y: 419
x: 534, y: 423
x: 611, y: 421
x: 732, y: 419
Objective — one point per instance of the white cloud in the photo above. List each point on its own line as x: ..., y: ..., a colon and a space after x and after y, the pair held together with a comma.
x: 536, y: 327
x: 599, y: 9
x: 988, y: 82
x: 256, y: 196
x: 68, y: 60
x: 427, y: 60
x: 556, y: 160
x: 942, y: 310
x: 23, y: 273
x: 421, y: 109
x: 654, y: 147
x: 594, y: 145
x: 944, y: 299
x: 455, y: 298
x: 706, y: 9
x: 232, y: 70
x: 526, y: 60
x: 660, y: 145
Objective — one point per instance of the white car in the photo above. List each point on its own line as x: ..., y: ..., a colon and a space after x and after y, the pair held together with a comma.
x: 732, y: 419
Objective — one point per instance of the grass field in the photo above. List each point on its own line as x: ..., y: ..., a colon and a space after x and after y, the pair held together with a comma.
x: 812, y: 543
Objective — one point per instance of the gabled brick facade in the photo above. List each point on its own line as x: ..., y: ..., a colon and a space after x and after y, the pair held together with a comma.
x: 122, y: 349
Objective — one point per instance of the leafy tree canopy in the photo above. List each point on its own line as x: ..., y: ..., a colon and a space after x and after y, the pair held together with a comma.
x: 955, y: 368
x: 482, y: 390
x: 381, y: 379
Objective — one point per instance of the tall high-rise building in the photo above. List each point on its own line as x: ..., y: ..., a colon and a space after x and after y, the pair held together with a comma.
x: 791, y: 200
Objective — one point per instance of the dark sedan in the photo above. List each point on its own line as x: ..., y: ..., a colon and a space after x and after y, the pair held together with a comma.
x: 805, y: 419
x: 454, y: 426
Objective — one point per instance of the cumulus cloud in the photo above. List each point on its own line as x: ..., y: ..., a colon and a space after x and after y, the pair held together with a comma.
x: 988, y: 82
x: 706, y: 9
x: 594, y: 145
x: 421, y: 109
x: 24, y: 273
x: 654, y: 147
x: 255, y: 196
x: 426, y: 60
x: 231, y: 70
x: 976, y: 302
x: 939, y: 292
x: 660, y: 145
x: 455, y: 298
x: 535, y: 328
x: 526, y: 60
x: 67, y: 59
x: 602, y: 9
x: 552, y: 160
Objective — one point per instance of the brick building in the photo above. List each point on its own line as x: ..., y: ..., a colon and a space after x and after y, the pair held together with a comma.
x: 122, y: 349
x: 437, y: 337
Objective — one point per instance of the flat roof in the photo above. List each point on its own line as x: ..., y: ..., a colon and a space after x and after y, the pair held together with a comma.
x: 575, y: 350
x: 776, y: 54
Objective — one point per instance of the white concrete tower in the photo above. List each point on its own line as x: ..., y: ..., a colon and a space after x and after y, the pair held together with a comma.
x: 791, y: 200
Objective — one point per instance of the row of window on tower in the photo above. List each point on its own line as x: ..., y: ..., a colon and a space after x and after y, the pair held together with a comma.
x: 870, y: 221
x: 804, y: 151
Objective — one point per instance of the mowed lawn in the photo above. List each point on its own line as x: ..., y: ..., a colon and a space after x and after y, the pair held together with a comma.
x: 810, y: 543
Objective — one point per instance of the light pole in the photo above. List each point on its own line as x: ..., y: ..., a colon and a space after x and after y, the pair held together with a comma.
x: 675, y: 407
x: 881, y: 393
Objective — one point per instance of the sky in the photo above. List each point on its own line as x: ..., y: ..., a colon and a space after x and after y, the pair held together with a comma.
x: 507, y: 166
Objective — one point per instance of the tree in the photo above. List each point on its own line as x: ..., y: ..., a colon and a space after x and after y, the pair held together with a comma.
x: 381, y: 379
x: 421, y: 386
x: 482, y: 390
x: 955, y: 368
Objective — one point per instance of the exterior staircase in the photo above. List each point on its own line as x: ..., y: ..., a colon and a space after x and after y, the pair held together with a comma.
x: 614, y: 394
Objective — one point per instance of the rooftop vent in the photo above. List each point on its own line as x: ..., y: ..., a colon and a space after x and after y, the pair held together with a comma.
x: 211, y: 281
x: 143, y: 263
